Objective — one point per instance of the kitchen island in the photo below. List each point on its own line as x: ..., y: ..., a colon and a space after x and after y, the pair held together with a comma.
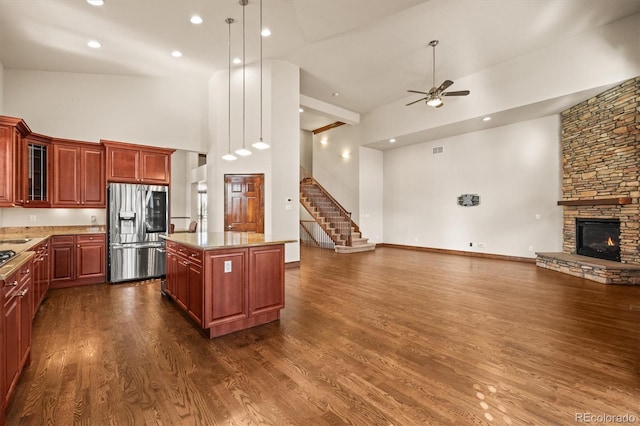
x: 226, y: 281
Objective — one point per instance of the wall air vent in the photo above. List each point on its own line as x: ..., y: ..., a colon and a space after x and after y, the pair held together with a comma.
x: 438, y: 150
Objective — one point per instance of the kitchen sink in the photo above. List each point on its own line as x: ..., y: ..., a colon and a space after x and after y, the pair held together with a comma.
x: 15, y: 241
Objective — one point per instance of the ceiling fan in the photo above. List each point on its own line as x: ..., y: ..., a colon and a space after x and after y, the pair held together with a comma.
x: 434, y: 96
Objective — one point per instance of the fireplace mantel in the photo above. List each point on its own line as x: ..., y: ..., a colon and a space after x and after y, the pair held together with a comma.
x: 619, y: 201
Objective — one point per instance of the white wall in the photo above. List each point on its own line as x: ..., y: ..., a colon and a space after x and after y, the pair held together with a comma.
x: 150, y: 111
x: 306, y: 150
x: 17, y: 216
x: 1, y: 89
x: 336, y: 174
x: 281, y: 128
x: 516, y: 171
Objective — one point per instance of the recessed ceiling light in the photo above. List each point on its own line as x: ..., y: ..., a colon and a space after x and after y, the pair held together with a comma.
x: 300, y: 109
x: 392, y: 140
x: 95, y: 2
x: 176, y: 54
x: 266, y: 32
x: 94, y: 44
x: 486, y: 119
x: 237, y: 61
x: 195, y: 19
x: 336, y: 94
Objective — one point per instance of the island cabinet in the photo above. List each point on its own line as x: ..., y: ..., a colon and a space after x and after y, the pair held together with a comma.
x: 184, y: 278
x: 16, y: 328
x: 78, y: 174
x: 226, y: 289
x: 130, y: 163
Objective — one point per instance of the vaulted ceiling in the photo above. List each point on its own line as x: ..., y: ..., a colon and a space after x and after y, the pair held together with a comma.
x: 368, y: 51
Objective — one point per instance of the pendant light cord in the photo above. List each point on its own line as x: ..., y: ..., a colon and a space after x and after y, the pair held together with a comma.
x: 243, y: 75
x: 260, y: 70
x: 229, y: 21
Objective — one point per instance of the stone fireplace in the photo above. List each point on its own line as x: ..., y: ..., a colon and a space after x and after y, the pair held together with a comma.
x: 600, y: 187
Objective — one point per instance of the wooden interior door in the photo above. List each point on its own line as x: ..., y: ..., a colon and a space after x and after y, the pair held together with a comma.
x: 244, y: 203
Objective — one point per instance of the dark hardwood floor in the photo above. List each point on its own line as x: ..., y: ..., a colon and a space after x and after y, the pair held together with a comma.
x: 391, y: 337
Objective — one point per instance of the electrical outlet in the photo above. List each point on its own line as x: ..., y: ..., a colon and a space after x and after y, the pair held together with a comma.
x: 32, y: 218
x: 470, y: 244
x: 530, y: 248
x: 481, y: 245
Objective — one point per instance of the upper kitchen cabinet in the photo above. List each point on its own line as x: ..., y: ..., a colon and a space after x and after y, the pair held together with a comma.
x: 12, y: 130
x: 78, y: 174
x: 36, y: 170
x: 131, y: 163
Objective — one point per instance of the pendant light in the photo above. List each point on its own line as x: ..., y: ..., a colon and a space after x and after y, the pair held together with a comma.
x: 261, y: 144
x: 229, y: 156
x: 243, y: 151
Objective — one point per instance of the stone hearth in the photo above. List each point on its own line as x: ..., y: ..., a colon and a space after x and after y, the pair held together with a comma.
x: 600, y: 179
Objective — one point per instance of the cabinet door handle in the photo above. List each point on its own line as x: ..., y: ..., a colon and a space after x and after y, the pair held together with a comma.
x: 26, y: 272
x: 23, y: 293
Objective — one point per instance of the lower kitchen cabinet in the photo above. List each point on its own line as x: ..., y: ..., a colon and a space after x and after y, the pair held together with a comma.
x: 226, y: 290
x: 184, y: 278
x: 41, y: 271
x: 78, y: 260
x: 90, y: 256
x: 16, y: 328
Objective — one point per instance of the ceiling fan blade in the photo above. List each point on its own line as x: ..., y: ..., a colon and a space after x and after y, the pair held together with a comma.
x: 411, y: 103
x: 440, y: 106
x: 417, y: 91
x: 445, y: 84
x: 458, y: 93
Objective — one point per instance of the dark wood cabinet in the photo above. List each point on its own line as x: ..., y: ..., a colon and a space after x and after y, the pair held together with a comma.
x: 90, y: 256
x: 78, y: 260
x: 227, y: 293
x: 184, y: 278
x: 36, y: 170
x: 132, y: 163
x: 62, y: 259
x: 17, y: 317
x: 40, y: 274
x: 226, y: 290
x: 12, y: 130
x: 79, y: 174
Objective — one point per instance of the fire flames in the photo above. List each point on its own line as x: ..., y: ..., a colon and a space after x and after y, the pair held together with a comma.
x: 610, y: 242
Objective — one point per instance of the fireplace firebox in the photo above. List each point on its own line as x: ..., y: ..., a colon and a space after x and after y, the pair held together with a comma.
x: 599, y: 238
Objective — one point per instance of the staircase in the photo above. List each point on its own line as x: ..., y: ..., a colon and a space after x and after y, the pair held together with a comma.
x: 333, y: 218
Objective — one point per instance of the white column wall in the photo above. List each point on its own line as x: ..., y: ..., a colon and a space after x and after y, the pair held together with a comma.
x: 281, y: 129
x: 371, y: 178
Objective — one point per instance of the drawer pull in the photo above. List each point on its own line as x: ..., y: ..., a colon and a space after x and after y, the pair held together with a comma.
x: 22, y: 293
x: 14, y: 284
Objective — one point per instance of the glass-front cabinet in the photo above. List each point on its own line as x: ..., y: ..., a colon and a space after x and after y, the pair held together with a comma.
x: 36, y: 170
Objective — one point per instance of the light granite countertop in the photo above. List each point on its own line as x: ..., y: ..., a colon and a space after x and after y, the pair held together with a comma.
x: 223, y: 240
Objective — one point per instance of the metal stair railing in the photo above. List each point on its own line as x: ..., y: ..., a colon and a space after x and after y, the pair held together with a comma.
x: 312, y: 234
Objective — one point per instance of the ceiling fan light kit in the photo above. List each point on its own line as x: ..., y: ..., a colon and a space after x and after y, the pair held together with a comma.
x: 434, y: 96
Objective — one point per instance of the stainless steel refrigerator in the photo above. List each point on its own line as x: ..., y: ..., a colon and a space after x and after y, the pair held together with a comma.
x: 138, y: 214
